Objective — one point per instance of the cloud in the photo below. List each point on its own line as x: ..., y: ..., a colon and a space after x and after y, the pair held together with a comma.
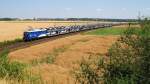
x: 147, y: 8
x: 99, y: 10
x: 68, y: 9
x: 124, y: 9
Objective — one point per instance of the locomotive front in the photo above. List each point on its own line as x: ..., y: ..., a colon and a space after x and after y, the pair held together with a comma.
x: 34, y: 34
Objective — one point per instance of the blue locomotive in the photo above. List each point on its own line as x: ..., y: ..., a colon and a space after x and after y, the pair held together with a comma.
x: 34, y: 34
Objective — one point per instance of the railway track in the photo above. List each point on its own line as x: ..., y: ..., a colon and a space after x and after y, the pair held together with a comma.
x: 22, y: 45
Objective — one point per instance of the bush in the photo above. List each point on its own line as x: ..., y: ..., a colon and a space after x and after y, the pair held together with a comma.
x: 129, y: 60
x: 17, y: 73
x: 10, y: 70
x: 89, y: 71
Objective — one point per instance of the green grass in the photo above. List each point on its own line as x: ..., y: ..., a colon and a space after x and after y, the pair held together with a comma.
x: 106, y: 31
x: 10, y: 42
x: 50, y: 58
x: 14, y: 72
x: 10, y: 70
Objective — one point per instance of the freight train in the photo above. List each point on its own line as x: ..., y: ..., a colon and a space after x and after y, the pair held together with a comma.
x: 37, y: 33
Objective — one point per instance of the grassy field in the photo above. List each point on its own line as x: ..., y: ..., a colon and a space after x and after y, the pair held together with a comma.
x: 55, y: 60
x: 107, y: 31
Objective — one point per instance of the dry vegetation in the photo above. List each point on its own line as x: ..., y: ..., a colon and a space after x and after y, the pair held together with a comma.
x: 68, y: 52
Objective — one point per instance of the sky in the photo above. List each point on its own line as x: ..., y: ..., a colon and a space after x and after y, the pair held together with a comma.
x: 121, y: 9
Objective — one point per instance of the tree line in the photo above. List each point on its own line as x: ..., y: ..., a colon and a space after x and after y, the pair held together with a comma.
x: 68, y: 19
